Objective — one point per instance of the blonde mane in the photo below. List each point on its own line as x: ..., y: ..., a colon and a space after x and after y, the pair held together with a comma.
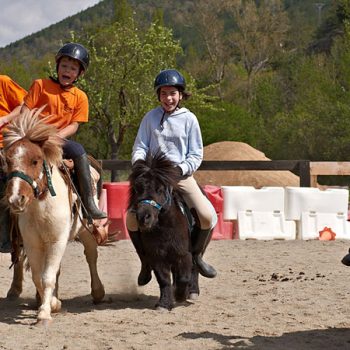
x: 28, y: 125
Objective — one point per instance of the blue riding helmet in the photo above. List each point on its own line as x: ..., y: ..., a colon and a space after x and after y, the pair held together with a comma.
x: 170, y: 77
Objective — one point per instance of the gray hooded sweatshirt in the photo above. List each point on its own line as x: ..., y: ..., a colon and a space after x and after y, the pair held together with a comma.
x: 178, y: 136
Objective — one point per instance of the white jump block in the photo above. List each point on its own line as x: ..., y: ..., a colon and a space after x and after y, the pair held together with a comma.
x: 242, y: 198
x: 265, y: 225
x: 314, y: 209
x: 259, y: 212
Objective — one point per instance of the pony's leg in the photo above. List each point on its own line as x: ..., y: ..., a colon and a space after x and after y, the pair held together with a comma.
x: 166, y: 293
x: 36, y: 261
x: 54, y: 254
x: 91, y: 254
x: 17, y: 279
x: 54, y: 301
x: 194, y: 284
x: 183, y: 277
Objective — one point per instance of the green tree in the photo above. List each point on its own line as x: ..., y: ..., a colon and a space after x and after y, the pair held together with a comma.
x: 124, y: 62
x: 212, y: 64
x: 260, y: 30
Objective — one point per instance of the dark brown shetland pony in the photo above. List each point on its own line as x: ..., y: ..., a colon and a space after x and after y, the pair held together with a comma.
x: 164, y: 227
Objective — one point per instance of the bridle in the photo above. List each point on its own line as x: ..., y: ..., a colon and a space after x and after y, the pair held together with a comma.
x: 155, y: 204
x: 34, y: 183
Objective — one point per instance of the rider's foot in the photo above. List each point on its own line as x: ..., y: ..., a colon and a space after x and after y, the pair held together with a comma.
x: 6, y: 248
x: 346, y: 259
x: 145, y: 275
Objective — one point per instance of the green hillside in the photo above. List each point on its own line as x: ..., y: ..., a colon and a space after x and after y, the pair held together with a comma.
x: 304, y: 15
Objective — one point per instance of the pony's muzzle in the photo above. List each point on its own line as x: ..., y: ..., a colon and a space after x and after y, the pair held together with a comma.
x: 17, y: 204
x: 145, y: 218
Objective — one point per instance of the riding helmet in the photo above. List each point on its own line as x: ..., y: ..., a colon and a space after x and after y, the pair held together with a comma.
x: 170, y: 77
x: 76, y: 51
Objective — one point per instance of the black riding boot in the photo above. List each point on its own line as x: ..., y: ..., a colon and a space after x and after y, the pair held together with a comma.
x: 82, y: 169
x: 145, y: 274
x: 200, y: 240
x: 346, y: 259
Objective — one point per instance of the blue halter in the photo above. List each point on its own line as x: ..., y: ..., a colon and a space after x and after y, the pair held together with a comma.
x: 152, y: 203
x: 156, y: 205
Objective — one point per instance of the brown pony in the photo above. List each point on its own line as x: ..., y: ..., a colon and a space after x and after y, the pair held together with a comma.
x: 164, y: 227
x: 38, y: 195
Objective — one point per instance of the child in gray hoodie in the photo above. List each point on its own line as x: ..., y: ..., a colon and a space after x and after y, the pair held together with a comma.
x: 175, y: 131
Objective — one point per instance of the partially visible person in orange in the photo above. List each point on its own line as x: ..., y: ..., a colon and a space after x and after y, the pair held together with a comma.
x: 11, y: 98
x: 66, y: 107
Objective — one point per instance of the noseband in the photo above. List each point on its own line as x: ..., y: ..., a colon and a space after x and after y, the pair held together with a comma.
x: 32, y: 182
x: 156, y: 205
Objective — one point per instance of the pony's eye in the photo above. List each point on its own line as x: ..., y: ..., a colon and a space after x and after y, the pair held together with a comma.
x: 34, y: 162
x: 159, y: 190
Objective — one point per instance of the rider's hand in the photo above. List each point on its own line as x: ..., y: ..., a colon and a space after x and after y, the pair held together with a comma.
x: 179, y: 171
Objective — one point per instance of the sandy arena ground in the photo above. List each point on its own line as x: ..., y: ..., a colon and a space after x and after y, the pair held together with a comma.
x: 267, y: 295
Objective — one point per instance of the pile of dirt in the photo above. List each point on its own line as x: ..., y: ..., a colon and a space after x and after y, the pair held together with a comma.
x: 230, y: 150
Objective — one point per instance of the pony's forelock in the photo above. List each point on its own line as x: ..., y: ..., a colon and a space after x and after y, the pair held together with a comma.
x: 29, y: 125
x: 157, y: 166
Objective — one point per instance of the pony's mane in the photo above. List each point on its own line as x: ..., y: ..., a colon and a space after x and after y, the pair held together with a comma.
x: 30, y: 126
x: 157, y: 166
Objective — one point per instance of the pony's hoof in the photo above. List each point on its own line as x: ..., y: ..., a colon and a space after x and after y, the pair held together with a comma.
x: 44, y: 322
x: 193, y: 296
x: 98, y: 295
x: 56, y: 305
x: 13, y: 294
x: 162, y: 308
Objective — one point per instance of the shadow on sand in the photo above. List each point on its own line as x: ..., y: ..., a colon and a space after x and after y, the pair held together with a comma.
x: 24, y: 310
x: 330, y: 339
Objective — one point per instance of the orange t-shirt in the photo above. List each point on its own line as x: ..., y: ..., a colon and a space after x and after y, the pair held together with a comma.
x: 63, y: 106
x: 11, y: 96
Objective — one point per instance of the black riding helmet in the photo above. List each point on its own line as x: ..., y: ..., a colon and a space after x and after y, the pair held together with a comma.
x: 76, y: 51
x: 169, y: 77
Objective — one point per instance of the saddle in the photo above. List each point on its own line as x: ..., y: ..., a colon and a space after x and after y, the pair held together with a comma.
x: 98, y: 229
x: 186, y: 211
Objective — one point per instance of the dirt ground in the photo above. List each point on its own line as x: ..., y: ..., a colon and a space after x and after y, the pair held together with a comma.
x: 267, y: 295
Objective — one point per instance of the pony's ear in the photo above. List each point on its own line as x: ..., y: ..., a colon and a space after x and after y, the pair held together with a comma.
x: 52, y: 148
x: 40, y: 143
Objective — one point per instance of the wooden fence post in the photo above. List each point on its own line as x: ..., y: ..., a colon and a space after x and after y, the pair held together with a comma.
x: 304, y: 173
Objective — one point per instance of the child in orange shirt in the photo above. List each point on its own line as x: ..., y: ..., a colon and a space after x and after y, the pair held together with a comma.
x: 66, y: 107
x: 11, y: 97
